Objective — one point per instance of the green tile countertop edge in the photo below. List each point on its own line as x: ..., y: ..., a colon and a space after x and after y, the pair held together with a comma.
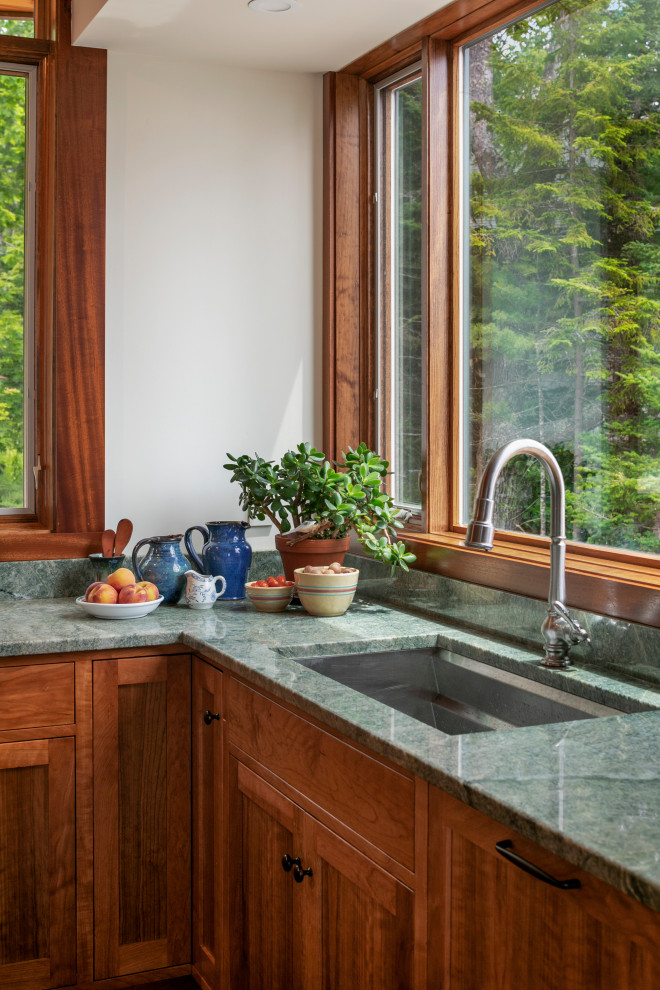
x: 588, y: 791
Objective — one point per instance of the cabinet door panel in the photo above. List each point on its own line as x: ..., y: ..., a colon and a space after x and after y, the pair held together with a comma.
x: 260, y: 912
x: 141, y: 814
x: 366, y: 918
x: 37, y: 864
x: 504, y: 929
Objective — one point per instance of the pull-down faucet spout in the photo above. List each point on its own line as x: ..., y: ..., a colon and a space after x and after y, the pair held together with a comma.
x: 560, y: 630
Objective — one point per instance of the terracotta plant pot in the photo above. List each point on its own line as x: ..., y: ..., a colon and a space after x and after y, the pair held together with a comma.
x: 310, y: 552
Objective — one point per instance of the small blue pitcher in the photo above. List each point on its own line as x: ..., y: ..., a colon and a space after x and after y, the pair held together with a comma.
x: 163, y: 564
x: 226, y: 552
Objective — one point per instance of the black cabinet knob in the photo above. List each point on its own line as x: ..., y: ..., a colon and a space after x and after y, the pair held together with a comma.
x: 209, y: 716
x: 288, y: 863
x: 299, y: 874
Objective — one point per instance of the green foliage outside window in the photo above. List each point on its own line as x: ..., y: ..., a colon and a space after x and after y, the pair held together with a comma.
x: 12, y: 279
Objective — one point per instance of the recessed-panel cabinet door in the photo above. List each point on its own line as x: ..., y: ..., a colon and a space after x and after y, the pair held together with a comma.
x: 506, y: 929
x: 266, y: 923
x: 37, y: 864
x: 364, y: 915
x: 141, y: 814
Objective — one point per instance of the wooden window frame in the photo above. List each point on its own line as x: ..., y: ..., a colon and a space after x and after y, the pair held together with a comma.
x: 70, y: 291
x: 618, y: 583
x: 384, y: 180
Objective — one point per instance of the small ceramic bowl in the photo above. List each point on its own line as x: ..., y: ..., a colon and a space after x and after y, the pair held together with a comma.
x: 269, y: 599
x: 131, y: 610
x: 326, y: 594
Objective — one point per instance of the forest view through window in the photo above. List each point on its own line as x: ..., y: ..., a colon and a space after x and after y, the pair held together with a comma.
x: 561, y: 266
x: 17, y: 95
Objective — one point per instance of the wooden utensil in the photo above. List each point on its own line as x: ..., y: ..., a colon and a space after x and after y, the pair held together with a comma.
x: 108, y: 542
x: 124, y: 533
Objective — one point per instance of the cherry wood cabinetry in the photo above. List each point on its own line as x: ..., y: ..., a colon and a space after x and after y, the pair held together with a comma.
x: 325, y: 879
x: 141, y: 711
x: 207, y: 823
x: 37, y: 826
x: 316, y: 865
x: 493, y: 926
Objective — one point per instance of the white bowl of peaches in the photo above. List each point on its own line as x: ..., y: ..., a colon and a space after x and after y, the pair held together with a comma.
x: 120, y: 596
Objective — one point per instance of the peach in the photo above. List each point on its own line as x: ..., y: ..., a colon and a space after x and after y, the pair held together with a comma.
x: 120, y: 578
x: 102, y: 594
x: 150, y: 588
x: 130, y: 594
x: 91, y: 587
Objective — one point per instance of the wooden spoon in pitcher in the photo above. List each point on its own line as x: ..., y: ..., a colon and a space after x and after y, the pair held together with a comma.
x: 124, y: 533
x: 107, y: 542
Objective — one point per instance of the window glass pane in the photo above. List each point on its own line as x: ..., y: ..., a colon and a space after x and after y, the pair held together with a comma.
x: 408, y: 292
x: 401, y: 302
x: 15, y: 364
x: 17, y: 28
x: 561, y: 265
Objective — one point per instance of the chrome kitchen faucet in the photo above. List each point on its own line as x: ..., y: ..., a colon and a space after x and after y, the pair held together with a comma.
x: 560, y: 630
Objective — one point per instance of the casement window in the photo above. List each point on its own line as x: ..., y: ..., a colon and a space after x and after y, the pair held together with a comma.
x: 399, y: 274
x: 533, y: 188
x: 52, y: 260
x: 18, y: 105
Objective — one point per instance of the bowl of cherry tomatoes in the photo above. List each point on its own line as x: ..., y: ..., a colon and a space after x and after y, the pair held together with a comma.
x: 271, y: 594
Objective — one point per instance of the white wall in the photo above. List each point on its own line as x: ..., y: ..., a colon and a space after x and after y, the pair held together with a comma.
x: 213, y: 283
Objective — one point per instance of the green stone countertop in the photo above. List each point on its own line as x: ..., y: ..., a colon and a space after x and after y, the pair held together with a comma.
x: 587, y: 790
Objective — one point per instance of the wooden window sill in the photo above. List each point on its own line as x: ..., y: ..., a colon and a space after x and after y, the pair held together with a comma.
x: 31, y: 541
x: 613, y: 583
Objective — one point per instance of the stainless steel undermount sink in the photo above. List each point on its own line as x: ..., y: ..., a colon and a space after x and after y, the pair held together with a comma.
x: 454, y: 693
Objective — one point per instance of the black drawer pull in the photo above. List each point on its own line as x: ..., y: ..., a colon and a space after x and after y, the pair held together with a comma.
x: 288, y: 863
x: 209, y: 716
x: 504, y: 849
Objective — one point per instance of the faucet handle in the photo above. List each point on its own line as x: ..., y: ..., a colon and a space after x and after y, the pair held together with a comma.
x: 578, y: 633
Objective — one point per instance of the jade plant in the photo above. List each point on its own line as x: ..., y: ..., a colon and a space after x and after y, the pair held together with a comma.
x: 305, y: 495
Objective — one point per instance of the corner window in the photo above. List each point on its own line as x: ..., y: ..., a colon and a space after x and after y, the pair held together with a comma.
x: 492, y: 272
x: 560, y: 289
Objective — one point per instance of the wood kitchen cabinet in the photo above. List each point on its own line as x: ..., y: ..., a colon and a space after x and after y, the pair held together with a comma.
x: 142, y: 794
x: 324, y: 884
x: 493, y: 926
x: 37, y: 827
x: 207, y: 823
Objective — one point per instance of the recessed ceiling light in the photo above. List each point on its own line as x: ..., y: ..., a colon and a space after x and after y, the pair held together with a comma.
x: 273, y: 6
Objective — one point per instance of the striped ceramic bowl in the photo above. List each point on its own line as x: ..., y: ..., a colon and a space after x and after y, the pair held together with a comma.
x: 269, y: 599
x: 326, y: 594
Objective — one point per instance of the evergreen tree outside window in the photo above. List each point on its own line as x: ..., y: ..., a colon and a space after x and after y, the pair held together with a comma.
x: 561, y: 265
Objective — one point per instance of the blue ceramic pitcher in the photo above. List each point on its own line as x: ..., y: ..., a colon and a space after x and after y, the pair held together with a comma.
x: 226, y: 552
x: 163, y: 564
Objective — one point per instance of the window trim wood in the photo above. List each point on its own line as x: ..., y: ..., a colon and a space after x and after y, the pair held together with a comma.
x: 70, y: 293
x: 621, y: 584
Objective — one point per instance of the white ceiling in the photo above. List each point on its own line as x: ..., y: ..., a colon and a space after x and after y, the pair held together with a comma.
x: 321, y: 35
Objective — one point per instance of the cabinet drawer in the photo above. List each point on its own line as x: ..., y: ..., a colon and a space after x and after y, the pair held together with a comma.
x: 37, y: 694
x: 374, y: 800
